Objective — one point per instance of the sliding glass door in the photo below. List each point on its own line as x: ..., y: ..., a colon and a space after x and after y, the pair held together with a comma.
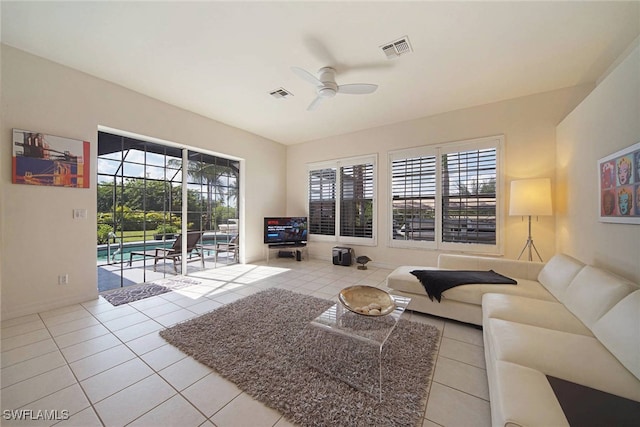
x: 212, y: 182
x: 141, y: 213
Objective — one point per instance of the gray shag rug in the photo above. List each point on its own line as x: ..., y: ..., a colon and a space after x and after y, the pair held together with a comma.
x: 261, y: 343
x: 145, y: 290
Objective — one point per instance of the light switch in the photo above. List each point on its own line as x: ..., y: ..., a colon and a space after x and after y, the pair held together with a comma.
x: 79, y: 214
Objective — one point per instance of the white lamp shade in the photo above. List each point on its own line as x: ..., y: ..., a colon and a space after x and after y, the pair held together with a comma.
x: 530, y: 197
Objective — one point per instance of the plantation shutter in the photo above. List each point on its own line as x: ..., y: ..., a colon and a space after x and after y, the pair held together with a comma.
x: 356, y: 200
x: 469, y: 196
x: 322, y: 201
x: 413, y: 191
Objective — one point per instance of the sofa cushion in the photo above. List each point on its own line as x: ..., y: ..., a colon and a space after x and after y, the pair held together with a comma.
x: 508, y: 267
x: 558, y: 272
x: 593, y: 292
x: 523, y: 397
x: 577, y: 358
x: 435, y: 282
x: 619, y: 331
x: 401, y: 279
x: 472, y: 294
x: 534, y: 312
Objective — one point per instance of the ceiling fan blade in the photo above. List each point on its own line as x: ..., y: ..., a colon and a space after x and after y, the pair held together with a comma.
x: 357, y: 88
x: 322, y: 54
x: 318, y: 49
x: 305, y: 75
x: 315, y: 103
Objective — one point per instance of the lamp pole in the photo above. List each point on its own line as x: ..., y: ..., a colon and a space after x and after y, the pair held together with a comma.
x: 529, y: 244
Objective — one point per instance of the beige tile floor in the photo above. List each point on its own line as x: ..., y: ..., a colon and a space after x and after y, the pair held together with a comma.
x: 107, y: 366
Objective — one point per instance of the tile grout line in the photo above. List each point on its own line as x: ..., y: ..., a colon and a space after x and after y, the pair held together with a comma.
x: 463, y: 362
x: 462, y: 391
x: 291, y: 279
x: 433, y: 372
x: 92, y: 404
x: 74, y: 375
x: 178, y: 392
x: 79, y: 383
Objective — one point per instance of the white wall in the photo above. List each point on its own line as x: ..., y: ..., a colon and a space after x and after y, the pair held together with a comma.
x: 528, y: 124
x: 607, y: 121
x: 39, y: 238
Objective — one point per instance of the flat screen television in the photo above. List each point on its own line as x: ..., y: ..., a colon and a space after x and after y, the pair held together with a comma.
x: 285, y: 230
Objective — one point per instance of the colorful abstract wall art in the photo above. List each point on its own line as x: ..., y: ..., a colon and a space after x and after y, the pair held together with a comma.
x: 619, y: 183
x: 41, y: 159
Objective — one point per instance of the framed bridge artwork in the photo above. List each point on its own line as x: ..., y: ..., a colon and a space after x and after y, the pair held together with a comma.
x: 41, y: 159
x: 619, y: 184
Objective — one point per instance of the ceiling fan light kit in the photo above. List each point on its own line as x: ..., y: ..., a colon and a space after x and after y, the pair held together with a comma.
x: 326, y: 86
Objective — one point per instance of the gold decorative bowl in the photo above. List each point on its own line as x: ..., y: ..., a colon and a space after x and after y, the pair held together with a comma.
x: 367, y: 300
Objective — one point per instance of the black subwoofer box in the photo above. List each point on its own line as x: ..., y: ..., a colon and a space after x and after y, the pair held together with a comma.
x: 285, y: 254
x: 342, y: 255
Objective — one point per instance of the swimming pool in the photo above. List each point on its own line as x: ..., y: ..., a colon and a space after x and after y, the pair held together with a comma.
x: 128, y: 247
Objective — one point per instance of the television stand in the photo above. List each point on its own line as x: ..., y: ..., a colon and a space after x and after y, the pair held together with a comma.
x: 290, y: 248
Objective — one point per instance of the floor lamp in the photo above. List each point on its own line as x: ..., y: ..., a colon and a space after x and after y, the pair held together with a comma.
x: 530, y: 197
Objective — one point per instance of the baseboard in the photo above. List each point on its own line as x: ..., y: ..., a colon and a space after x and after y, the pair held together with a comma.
x: 383, y: 265
x: 50, y: 304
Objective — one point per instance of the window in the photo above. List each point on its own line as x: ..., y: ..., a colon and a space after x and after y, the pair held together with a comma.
x: 356, y: 201
x: 139, y: 201
x: 413, y: 185
x: 446, y: 197
x: 342, y: 200
x: 322, y: 201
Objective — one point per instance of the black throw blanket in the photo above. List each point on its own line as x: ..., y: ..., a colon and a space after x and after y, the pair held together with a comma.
x: 435, y: 282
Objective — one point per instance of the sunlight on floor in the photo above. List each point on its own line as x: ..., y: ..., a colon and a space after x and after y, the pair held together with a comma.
x: 233, y: 278
x: 94, y: 359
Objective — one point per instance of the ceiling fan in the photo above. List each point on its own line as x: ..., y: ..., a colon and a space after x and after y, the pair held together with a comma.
x: 326, y: 86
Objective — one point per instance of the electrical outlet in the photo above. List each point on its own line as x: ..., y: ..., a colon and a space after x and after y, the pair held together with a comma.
x: 63, y: 279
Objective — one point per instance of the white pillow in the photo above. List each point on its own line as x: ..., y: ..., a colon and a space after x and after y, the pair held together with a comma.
x: 619, y: 331
x: 593, y: 292
x: 558, y: 273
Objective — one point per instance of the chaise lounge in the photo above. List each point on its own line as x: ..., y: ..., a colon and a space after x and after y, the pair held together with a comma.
x: 565, y: 329
x: 174, y: 252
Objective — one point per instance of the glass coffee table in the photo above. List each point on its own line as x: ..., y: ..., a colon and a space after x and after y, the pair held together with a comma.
x: 349, y: 346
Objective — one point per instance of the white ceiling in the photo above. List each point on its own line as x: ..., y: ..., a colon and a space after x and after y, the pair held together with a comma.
x: 221, y: 59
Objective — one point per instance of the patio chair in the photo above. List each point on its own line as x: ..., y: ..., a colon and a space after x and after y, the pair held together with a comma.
x: 174, y: 252
x: 230, y: 246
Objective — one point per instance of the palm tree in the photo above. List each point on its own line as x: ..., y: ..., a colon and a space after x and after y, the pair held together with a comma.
x: 211, y: 175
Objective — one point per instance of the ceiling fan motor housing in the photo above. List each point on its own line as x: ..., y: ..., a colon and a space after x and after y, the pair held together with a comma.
x: 326, y: 86
x: 329, y: 88
x: 327, y: 91
x: 327, y: 74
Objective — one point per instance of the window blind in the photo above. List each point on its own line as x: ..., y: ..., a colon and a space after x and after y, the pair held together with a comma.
x: 413, y: 189
x: 356, y: 200
x: 468, y: 183
x: 322, y: 201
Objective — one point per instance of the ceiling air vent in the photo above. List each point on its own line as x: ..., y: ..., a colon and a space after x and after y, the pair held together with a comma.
x: 280, y: 93
x: 397, y: 48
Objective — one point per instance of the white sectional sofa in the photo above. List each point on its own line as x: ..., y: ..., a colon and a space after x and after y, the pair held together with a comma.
x: 563, y: 319
x: 464, y: 303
